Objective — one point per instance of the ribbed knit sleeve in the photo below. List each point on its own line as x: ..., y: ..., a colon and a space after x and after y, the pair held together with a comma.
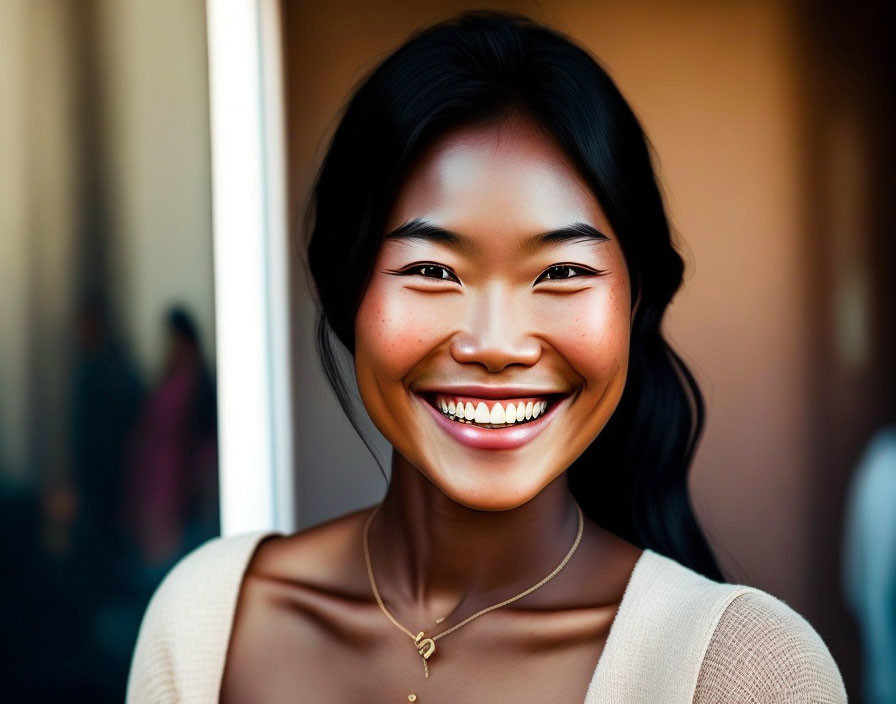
x: 182, y: 644
x: 763, y: 651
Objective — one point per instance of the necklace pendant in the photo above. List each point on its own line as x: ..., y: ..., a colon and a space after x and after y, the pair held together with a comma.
x: 425, y: 646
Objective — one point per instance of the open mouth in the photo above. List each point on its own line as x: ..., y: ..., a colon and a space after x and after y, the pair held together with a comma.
x: 491, y: 413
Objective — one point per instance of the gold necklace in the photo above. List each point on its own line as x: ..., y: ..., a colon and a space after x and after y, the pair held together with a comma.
x: 426, y: 645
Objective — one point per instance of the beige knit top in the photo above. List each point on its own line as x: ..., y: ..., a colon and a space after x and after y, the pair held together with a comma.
x: 677, y: 638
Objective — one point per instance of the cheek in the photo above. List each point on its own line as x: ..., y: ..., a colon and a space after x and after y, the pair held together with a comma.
x: 591, y: 330
x: 395, y: 328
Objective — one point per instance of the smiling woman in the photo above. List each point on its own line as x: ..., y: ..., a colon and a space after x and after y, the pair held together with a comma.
x: 500, y: 284
x: 489, y: 243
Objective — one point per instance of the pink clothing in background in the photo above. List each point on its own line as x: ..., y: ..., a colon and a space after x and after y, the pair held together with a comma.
x: 169, y: 467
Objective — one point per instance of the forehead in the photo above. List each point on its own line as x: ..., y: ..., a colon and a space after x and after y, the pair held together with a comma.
x: 498, y: 181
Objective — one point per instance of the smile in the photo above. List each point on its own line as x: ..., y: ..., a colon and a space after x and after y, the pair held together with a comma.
x: 488, y: 413
x: 479, y: 431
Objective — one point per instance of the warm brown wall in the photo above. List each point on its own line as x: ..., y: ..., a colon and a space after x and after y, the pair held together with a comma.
x: 724, y: 91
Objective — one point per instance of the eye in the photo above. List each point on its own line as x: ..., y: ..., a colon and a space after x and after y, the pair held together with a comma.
x: 430, y: 271
x: 560, y: 272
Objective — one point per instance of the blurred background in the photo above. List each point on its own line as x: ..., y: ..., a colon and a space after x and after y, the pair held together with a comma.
x: 108, y: 463
x: 124, y: 441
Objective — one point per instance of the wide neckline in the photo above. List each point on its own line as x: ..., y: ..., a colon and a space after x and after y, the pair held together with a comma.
x: 598, y: 675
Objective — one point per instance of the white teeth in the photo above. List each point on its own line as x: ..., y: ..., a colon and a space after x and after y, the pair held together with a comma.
x: 498, y: 415
x: 510, y: 414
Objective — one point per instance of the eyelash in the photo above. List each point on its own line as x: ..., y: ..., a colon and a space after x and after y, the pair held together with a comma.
x: 413, y: 269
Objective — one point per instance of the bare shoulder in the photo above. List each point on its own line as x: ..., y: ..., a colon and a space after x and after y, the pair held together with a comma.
x: 300, y: 595
x: 324, y: 555
x: 763, y: 650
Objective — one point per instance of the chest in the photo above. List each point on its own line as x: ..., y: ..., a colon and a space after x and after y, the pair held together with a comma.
x: 306, y: 650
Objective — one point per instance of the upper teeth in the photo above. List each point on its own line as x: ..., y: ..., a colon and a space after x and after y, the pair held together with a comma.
x: 500, y: 414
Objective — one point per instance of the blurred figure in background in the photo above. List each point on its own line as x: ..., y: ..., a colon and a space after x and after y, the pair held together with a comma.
x: 105, y: 398
x: 172, y: 494
x: 869, y: 576
x: 64, y: 554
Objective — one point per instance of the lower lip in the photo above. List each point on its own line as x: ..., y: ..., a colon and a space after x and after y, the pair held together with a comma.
x: 493, y: 438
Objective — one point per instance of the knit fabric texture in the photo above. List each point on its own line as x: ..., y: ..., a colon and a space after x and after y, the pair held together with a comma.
x: 182, y: 643
x: 678, y: 638
x: 764, y: 651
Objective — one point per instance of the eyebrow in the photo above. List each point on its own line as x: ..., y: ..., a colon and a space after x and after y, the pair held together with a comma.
x: 418, y: 229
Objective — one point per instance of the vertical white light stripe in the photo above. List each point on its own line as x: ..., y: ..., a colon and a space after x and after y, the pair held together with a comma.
x: 249, y: 293
x: 278, y: 254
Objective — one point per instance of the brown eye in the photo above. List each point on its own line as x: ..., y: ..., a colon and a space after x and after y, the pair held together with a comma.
x: 431, y: 271
x: 559, y: 272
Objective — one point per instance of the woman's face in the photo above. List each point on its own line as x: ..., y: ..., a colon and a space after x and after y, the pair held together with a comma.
x: 507, y: 292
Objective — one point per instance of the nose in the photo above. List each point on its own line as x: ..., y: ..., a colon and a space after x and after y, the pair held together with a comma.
x: 495, y: 336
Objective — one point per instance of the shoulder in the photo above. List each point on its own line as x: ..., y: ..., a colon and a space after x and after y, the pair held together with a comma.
x: 689, y: 638
x: 299, y: 593
x: 183, y: 635
x: 678, y: 594
x: 202, y: 581
x: 763, y: 650
x: 659, y: 636
x: 325, y: 556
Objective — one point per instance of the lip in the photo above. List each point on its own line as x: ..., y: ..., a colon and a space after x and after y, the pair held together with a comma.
x: 508, y: 438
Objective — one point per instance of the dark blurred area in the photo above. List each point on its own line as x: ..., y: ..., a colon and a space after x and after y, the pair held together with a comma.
x: 88, y: 550
x: 108, y: 439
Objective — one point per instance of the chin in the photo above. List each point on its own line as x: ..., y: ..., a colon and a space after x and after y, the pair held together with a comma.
x: 497, y: 493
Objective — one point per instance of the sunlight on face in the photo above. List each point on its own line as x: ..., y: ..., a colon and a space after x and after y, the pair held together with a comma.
x: 469, y: 296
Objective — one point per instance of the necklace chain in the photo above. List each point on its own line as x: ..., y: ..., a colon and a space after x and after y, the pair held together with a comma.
x: 417, y: 638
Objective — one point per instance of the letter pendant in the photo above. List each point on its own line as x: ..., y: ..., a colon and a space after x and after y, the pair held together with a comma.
x: 425, y: 646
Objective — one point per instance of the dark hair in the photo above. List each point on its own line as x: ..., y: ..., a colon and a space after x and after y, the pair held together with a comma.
x: 482, y: 67
x: 180, y: 323
x: 204, y: 414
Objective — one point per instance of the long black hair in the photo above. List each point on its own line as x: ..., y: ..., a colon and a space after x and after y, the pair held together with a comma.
x: 483, y: 67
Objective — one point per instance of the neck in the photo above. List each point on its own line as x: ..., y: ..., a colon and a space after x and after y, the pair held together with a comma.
x: 438, y: 557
